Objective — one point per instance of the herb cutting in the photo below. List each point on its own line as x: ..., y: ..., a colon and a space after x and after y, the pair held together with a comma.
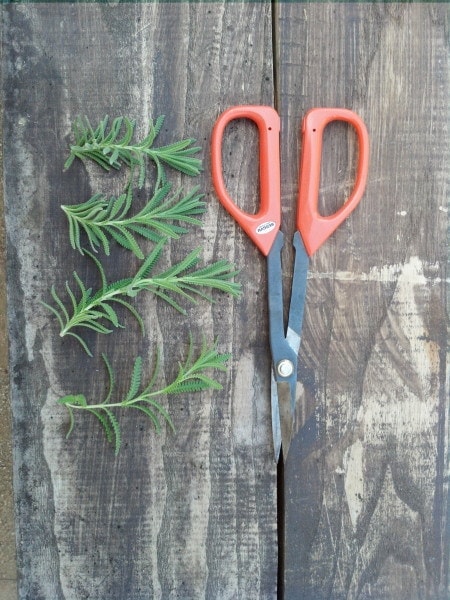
x: 104, y: 220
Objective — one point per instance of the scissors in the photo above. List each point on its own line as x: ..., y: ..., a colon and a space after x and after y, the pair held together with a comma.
x: 263, y: 228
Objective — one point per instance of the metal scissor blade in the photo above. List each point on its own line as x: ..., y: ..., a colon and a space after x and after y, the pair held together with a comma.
x: 276, y: 426
x: 284, y: 346
x: 286, y: 415
x: 298, y: 296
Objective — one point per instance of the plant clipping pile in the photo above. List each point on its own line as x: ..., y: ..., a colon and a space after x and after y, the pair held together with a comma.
x: 103, y: 222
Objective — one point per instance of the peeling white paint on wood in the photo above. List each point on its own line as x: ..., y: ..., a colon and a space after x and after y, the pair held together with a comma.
x: 386, y: 274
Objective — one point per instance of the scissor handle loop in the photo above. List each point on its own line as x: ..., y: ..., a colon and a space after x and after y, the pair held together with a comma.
x: 263, y: 226
x: 315, y: 228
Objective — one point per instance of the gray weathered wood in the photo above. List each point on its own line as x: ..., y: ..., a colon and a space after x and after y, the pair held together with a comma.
x: 191, y: 515
x: 366, y: 503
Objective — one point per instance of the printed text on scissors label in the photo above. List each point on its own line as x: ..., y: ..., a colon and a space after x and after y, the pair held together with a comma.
x: 265, y: 227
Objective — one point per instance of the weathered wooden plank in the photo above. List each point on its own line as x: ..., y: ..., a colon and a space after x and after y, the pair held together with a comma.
x: 186, y: 516
x: 366, y: 503
x: 8, y: 573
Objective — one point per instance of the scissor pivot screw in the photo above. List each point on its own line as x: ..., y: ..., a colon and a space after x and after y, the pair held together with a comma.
x: 285, y: 368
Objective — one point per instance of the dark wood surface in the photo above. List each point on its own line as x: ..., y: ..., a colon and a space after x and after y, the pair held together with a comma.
x: 365, y: 502
x: 194, y: 515
x: 191, y: 515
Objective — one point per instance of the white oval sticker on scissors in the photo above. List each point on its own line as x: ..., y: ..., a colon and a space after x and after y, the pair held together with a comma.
x: 265, y: 227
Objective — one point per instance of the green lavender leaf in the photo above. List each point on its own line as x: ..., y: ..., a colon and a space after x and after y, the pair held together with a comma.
x: 135, y: 379
x: 192, y: 377
x: 110, y: 148
x: 96, y: 311
x: 102, y: 219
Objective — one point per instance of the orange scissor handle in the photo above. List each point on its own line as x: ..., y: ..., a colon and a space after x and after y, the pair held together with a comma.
x: 313, y: 227
x: 263, y: 226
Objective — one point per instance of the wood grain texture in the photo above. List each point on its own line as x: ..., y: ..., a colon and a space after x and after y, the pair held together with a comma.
x: 365, y: 501
x: 191, y: 515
